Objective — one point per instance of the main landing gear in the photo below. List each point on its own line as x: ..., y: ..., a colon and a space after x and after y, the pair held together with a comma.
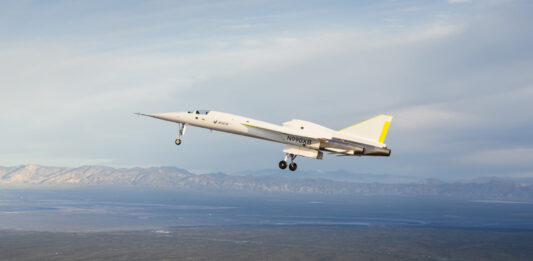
x: 292, y: 165
x: 183, y: 126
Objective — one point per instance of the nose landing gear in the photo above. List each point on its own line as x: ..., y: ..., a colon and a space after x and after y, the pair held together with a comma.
x: 292, y: 165
x: 180, y: 133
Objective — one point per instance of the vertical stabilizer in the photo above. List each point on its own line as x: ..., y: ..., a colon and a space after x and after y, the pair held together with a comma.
x: 373, y: 129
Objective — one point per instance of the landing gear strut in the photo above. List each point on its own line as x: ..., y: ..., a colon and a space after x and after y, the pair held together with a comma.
x: 292, y: 165
x: 180, y: 133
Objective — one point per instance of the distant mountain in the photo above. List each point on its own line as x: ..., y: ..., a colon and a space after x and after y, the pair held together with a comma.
x: 520, y: 180
x: 337, y: 175
x: 35, y: 176
x: 32, y: 175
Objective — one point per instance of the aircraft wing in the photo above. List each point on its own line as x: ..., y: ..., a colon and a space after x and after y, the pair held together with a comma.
x: 312, y: 144
x: 280, y: 129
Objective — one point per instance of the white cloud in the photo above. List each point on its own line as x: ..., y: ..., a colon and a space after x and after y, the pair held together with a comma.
x: 433, y: 32
x: 428, y: 117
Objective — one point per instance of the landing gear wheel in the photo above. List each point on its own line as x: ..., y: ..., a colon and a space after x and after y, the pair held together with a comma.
x: 178, y: 141
x: 282, y: 164
x: 293, y: 166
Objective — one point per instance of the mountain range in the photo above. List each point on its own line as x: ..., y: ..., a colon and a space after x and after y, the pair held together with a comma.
x: 36, y: 176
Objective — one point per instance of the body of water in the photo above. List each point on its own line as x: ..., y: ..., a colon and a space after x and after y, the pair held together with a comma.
x: 111, y: 209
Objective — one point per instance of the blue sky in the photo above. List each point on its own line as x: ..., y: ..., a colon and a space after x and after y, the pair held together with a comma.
x: 456, y: 76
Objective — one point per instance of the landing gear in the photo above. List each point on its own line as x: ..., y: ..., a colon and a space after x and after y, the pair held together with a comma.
x: 292, y: 165
x: 180, y: 133
x: 282, y: 164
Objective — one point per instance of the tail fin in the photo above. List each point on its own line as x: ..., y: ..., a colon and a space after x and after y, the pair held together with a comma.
x: 373, y: 129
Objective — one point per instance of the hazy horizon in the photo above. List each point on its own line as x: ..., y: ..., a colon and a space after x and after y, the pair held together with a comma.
x: 300, y: 174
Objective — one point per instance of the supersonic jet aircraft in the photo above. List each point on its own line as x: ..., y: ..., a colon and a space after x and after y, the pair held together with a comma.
x: 302, y: 138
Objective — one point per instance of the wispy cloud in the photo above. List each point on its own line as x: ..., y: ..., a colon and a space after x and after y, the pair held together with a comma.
x: 505, y: 156
x: 430, y: 118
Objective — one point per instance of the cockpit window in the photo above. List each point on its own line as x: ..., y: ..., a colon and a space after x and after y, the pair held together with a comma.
x: 202, y: 112
x: 199, y: 112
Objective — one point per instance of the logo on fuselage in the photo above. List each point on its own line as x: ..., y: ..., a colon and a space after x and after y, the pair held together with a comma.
x: 220, y: 122
x: 300, y: 140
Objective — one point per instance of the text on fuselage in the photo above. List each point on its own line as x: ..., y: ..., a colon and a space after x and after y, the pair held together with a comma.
x: 300, y: 140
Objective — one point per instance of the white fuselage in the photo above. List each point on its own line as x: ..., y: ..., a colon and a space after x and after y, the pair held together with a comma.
x: 295, y: 132
x: 302, y: 138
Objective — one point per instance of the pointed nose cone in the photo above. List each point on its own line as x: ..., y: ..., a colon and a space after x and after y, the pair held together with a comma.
x: 168, y: 116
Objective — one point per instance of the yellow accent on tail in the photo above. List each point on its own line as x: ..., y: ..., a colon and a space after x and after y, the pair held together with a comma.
x: 384, y: 132
x: 374, y: 129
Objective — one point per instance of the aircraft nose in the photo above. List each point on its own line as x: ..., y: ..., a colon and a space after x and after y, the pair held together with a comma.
x: 169, y: 116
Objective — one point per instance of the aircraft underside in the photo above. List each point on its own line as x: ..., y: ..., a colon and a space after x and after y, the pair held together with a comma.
x: 301, y: 146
